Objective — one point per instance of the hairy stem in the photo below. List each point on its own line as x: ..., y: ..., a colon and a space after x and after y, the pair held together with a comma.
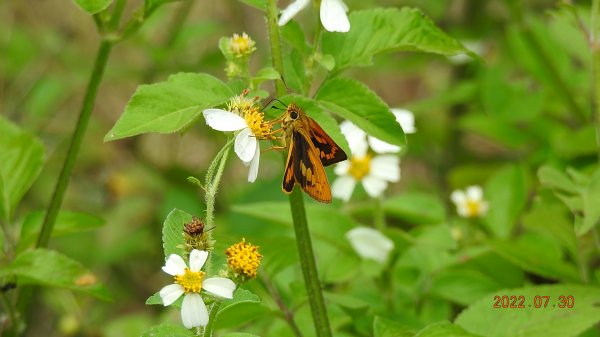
x: 213, y: 178
x: 211, y: 319
x: 305, y: 249
x: 75, y: 143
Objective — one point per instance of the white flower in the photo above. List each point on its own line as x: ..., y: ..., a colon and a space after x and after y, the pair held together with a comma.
x: 374, y: 172
x: 469, y: 203
x: 248, y: 122
x: 406, y: 119
x: 370, y: 243
x: 189, y: 282
x: 332, y: 13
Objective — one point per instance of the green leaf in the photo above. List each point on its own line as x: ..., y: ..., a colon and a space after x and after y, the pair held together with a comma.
x: 295, y: 71
x: 66, y: 223
x: 21, y: 161
x: 240, y: 296
x: 482, y: 318
x: 416, y: 208
x: 378, y: 30
x: 265, y: 74
x: 260, y: 4
x: 294, y: 35
x: 170, y: 106
x: 239, y: 334
x: 355, y: 102
x: 555, y: 179
x: 591, y: 200
x: 93, y: 6
x: 168, y: 330
x: 50, y: 268
x: 443, y: 329
x: 172, y: 233
x: 463, y: 286
x: 507, y: 195
x: 536, y: 255
x: 326, y: 61
x: 383, y: 327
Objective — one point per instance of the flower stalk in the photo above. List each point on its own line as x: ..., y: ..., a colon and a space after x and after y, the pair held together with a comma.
x: 305, y: 250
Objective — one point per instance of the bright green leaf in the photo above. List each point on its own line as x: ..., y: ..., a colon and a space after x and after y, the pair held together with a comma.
x: 172, y: 233
x: 239, y: 334
x: 416, y: 208
x: 591, y: 200
x: 443, y: 329
x: 507, y: 193
x: 260, y: 4
x: 170, y: 106
x: 482, y: 318
x: 462, y: 286
x: 21, y: 161
x: 383, y: 327
x: 50, y: 268
x: 66, y: 223
x: 240, y: 296
x: 151, y: 5
x: 93, y: 6
x: 326, y: 61
x: 355, y: 102
x: 293, y: 34
x: 378, y: 30
x: 168, y: 330
x: 553, y: 178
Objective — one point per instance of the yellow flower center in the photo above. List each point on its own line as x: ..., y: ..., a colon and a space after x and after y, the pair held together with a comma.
x: 473, y: 207
x: 243, y: 258
x: 360, y: 167
x: 241, y: 45
x: 191, y: 281
x: 255, y: 120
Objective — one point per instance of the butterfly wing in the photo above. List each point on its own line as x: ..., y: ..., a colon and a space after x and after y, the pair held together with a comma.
x: 329, y: 152
x: 304, y: 167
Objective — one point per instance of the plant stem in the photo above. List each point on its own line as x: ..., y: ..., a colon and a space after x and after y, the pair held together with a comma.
x: 211, y: 319
x: 305, y: 250
x: 212, y: 182
x: 75, y: 143
x: 10, y: 309
x: 288, y: 315
x: 595, y: 48
x: 379, y: 214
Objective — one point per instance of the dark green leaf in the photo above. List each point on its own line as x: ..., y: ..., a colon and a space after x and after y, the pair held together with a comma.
x: 50, y: 268
x: 172, y: 233
x: 170, y: 106
x: 378, y: 30
x: 482, y: 318
x: 21, y: 161
x: 93, y: 6
x: 355, y: 102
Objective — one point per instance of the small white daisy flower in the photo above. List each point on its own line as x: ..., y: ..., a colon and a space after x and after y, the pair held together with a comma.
x: 189, y: 281
x: 406, y: 119
x: 332, y: 13
x: 244, y: 118
x: 370, y: 243
x: 470, y: 203
x: 374, y: 172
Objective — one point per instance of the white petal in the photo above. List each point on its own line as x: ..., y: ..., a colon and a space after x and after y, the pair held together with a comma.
x: 245, y: 145
x: 386, y: 167
x: 222, y: 120
x: 197, y: 259
x: 370, y: 243
x: 343, y: 187
x: 253, y: 171
x: 342, y: 168
x: 219, y: 286
x: 474, y: 193
x: 374, y: 186
x: 356, y: 137
x: 174, y: 265
x: 463, y: 210
x: 170, y: 293
x: 193, y: 311
x: 406, y: 119
x: 333, y: 16
x: 380, y: 146
x: 458, y: 197
x: 290, y: 11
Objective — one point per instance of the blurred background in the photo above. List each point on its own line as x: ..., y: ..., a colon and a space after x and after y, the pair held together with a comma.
x: 472, y: 117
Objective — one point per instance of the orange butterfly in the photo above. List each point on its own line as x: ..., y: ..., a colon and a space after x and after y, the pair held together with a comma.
x: 310, y: 148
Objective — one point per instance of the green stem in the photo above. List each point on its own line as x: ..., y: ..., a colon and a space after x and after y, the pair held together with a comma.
x: 211, y: 319
x: 10, y: 309
x: 305, y: 249
x: 379, y: 214
x: 213, y: 178
x: 75, y: 143
x: 595, y: 48
x: 288, y: 315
